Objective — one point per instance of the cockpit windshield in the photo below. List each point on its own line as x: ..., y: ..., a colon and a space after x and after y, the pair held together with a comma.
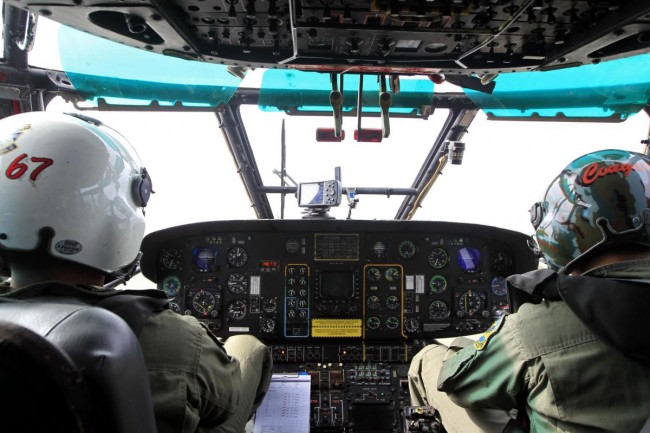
x: 166, y: 104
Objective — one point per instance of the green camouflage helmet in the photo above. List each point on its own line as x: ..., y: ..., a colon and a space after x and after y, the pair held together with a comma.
x: 610, y: 184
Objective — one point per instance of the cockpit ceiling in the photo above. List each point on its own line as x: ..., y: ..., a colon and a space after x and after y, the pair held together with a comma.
x: 377, y: 36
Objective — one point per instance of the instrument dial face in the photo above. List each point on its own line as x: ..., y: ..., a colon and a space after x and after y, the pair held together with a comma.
x: 267, y: 325
x: 269, y: 305
x: 392, y: 322
x: 373, y: 322
x: 438, y: 258
x: 407, y: 250
x: 392, y: 302
x: 498, y: 286
x: 392, y: 274
x: 237, y: 283
x: 171, y: 258
x: 373, y: 302
x: 439, y: 310
x: 412, y: 325
x: 437, y: 284
x: 373, y: 274
x: 237, y: 257
x: 203, y: 302
x: 171, y: 286
x: 175, y: 307
x: 470, y: 302
x: 501, y: 262
x: 237, y: 310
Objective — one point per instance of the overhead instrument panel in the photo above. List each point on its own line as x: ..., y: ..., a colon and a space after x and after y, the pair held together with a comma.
x: 376, y: 36
x: 310, y: 282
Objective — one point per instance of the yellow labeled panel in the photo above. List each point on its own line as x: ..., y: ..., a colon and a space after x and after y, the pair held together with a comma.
x: 336, y: 328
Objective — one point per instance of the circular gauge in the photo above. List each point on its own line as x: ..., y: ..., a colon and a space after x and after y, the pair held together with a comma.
x: 237, y: 283
x: 204, y: 258
x: 203, y: 302
x: 171, y: 286
x: 407, y: 250
x: 412, y: 325
x: 267, y: 325
x: 499, y: 287
x: 439, y: 310
x: 237, y: 257
x: 392, y: 274
x: 438, y: 258
x: 469, y: 259
x: 501, y: 262
x: 175, y: 307
x: 373, y: 322
x: 236, y: 310
x: 470, y: 302
x: 269, y: 305
x: 373, y: 302
x: 373, y: 274
x: 171, y: 258
x: 437, y: 284
x: 292, y: 246
x: 392, y: 322
x: 379, y: 250
x: 392, y: 302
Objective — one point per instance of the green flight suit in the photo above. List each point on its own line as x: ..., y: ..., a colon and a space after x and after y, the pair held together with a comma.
x: 198, y: 383
x: 545, y: 358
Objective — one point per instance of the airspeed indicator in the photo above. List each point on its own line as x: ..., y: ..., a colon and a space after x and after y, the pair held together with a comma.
x: 438, y: 258
x: 437, y: 284
x: 439, y: 310
x: 407, y: 250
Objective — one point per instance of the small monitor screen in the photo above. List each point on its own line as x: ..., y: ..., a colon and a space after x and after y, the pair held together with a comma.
x: 311, y: 194
x: 337, y: 284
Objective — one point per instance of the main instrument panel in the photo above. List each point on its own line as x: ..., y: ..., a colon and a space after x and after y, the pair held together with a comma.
x: 314, y: 281
x: 347, y: 302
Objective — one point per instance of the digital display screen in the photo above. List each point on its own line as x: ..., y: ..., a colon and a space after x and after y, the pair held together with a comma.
x: 311, y: 194
x: 337, y: 284
x: 469, y: 259
x: 204, y: 258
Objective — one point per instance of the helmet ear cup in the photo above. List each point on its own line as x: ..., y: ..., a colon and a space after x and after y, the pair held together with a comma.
x: 536, y: 214
x: 141, y: 188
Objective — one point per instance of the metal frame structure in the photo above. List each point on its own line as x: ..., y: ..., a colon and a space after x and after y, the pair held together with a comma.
x: 461, y: 113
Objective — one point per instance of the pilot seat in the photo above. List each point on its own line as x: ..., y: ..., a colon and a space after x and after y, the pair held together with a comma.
x: 70, y: 368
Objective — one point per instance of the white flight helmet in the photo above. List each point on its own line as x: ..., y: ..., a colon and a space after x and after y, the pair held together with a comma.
x: 80, y: 179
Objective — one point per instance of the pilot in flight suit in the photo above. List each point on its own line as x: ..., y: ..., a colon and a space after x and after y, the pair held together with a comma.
x: 72, y: 193
x: 576, y: 356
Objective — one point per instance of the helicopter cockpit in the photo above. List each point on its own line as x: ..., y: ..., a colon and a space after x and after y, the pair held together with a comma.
x: 344, y: 260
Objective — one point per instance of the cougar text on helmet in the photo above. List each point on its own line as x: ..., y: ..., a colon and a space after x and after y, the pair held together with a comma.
x: 592, y: 172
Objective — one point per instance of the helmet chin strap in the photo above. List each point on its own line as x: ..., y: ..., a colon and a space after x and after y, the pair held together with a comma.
x: 637, y: 235
x: 534, y: 247
x: 123, y: 275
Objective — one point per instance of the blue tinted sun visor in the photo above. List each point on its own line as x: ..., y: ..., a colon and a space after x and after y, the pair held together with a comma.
x: 615, y: 90
x: 99, y: 68
x: 305, y: 92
